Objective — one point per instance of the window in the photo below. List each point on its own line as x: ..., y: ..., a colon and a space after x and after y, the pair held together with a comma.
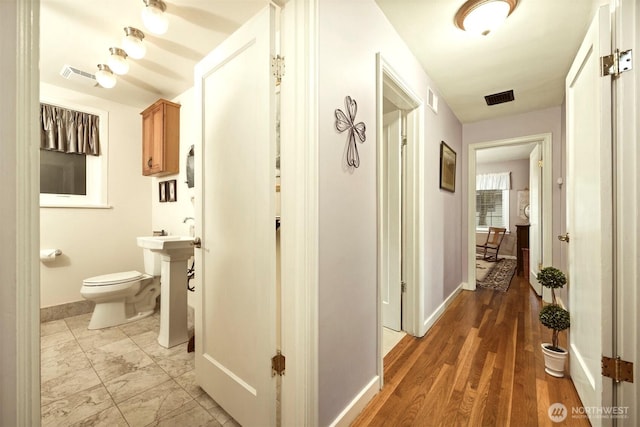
x: 492, y: 200
x: 492, y: 209
x: 73, y: 173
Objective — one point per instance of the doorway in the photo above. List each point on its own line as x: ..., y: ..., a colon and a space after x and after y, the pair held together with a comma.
x: 400, y: 124
x: 538, y: 146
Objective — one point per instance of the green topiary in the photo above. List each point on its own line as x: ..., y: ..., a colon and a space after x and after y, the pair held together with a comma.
x: 556, y: 318
x: 551, y: 277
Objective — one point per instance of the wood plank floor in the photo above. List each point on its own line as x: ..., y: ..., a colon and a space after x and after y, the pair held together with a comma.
x: 479, y: 365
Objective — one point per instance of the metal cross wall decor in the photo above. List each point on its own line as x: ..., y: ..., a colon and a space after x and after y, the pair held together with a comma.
x: 346, y: 122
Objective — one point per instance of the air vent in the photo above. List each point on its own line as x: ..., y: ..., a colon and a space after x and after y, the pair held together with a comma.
x: 499, y: 98
x: 79, y: 76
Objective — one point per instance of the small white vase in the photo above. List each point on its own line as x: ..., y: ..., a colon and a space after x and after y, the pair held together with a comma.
x: 554, y: 361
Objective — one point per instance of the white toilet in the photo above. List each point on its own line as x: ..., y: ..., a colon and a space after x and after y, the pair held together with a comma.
x: 124, y: 297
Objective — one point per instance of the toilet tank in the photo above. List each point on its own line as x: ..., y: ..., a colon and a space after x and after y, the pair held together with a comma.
x: 152, y: 264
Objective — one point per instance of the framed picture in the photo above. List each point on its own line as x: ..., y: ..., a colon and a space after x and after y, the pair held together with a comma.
x: 172, y: 195
x: 447, y: 168
x: 162, y: 191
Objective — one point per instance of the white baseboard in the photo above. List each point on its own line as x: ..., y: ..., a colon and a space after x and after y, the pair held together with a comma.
x: 436, y: 314
x: 356, y: 406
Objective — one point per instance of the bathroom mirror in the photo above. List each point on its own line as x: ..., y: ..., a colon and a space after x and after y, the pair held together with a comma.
x: 190, y: 163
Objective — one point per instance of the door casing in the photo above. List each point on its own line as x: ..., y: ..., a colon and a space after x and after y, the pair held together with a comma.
x: 413, y: 298
x: 545, y: 141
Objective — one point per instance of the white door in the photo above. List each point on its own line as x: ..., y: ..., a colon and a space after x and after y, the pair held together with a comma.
x: 235, y: 328
x: 589, y: 217
x: 391, y: 221
x: 535, y: 214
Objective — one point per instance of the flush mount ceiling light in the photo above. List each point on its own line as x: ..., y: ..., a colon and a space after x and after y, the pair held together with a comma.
x: 118, y: 61
x: 132, y: 42
x: 483, y: 16
x: 154, y: 17
x: 105, y: 76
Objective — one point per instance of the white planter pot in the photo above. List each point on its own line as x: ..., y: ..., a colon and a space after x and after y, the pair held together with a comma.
x: 554, y: 361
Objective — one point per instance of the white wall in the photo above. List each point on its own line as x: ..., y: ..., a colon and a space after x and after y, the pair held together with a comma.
x: 519, y: 181
x: 536, y: 122
x: 98, y: 241
x: 169, y: 216
x: 350, y: 35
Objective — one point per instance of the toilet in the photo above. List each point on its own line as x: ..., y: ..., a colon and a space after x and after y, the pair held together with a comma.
x: 123, y: 297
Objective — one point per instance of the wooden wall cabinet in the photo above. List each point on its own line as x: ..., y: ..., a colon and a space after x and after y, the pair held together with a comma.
x: 161, y: 138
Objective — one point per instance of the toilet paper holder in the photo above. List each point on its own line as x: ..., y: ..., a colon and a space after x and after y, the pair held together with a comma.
x: 49, y: 254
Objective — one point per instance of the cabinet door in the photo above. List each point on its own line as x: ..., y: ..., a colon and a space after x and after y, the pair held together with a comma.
x: 153, y: 141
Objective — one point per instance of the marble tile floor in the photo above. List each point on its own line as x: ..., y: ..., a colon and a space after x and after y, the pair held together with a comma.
x: 120, y: 376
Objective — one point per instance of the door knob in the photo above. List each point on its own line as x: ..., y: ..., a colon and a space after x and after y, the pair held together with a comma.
x: 197, y: 242
x: 564, y: 237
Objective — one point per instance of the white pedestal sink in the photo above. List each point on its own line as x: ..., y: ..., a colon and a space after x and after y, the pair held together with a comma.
x: 174, y: 252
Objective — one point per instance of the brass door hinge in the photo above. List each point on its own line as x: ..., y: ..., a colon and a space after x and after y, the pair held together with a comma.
x: 617, y: 369
x: 540, y: 163
x: 616, y: 63
x: 277, y: 67
x: 277, y: 364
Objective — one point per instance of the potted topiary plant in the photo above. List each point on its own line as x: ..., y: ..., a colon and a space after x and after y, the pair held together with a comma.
x: 555, y: 318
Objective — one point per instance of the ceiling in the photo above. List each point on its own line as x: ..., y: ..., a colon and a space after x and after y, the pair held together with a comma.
x: 504, y: 153
x: 80, y: 32
x: 528, y: 54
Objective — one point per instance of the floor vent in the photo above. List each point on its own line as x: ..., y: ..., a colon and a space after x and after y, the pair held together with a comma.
x: 499, y: 98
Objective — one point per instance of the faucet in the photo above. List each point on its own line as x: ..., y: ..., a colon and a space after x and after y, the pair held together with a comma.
x: 192, y: 229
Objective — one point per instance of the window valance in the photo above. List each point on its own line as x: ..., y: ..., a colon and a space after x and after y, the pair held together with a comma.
x: 69, y: 131
x: 494, y: 181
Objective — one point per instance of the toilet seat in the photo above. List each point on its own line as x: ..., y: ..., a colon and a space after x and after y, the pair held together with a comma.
x: 114, y: 278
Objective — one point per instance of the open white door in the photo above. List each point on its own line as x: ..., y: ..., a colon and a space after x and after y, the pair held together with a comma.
x: 589, y: 214
x: 535, y: 214
x: 391, y: 268
x: 236, y: 269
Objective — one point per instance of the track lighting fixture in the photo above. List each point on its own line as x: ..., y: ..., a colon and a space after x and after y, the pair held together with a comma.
x: 154, y: 16
x: 105, y: 76
x: 118, y: 61
x: 132, y: 43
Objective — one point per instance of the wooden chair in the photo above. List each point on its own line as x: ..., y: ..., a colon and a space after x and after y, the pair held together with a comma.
x: 494, y: 239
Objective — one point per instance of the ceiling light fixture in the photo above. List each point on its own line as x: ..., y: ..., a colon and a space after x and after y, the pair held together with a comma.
x: 132, y: 43
x: 483, y: 16
x: 105, y: 76
x: 118, y: 61
x: 154, y: 17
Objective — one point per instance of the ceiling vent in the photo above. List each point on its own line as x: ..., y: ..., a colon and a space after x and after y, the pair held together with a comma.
x: 499, y: 98
x: 75, y: 75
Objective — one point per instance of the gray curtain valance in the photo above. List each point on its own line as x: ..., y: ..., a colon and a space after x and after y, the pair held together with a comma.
x: 69, y: 131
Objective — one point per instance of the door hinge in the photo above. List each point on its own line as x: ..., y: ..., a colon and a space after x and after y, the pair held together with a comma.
x: 616, y: 63
x: 403, y: 286
x: 277, y: 67
x: 617, y: 369
x: 404, y: 141
x: 277, y: 364
x: 540, y: 163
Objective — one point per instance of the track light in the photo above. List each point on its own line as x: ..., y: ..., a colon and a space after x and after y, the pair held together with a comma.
x: 132, y: 43
x: 154, y: 17
x: 105, y: 76
x: 118, y: 61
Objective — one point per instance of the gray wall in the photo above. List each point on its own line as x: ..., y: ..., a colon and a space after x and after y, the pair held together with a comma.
x: 536, y: 122
x: 351, y: 33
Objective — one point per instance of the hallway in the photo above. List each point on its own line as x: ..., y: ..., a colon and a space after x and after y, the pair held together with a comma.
x: 479, y: 365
